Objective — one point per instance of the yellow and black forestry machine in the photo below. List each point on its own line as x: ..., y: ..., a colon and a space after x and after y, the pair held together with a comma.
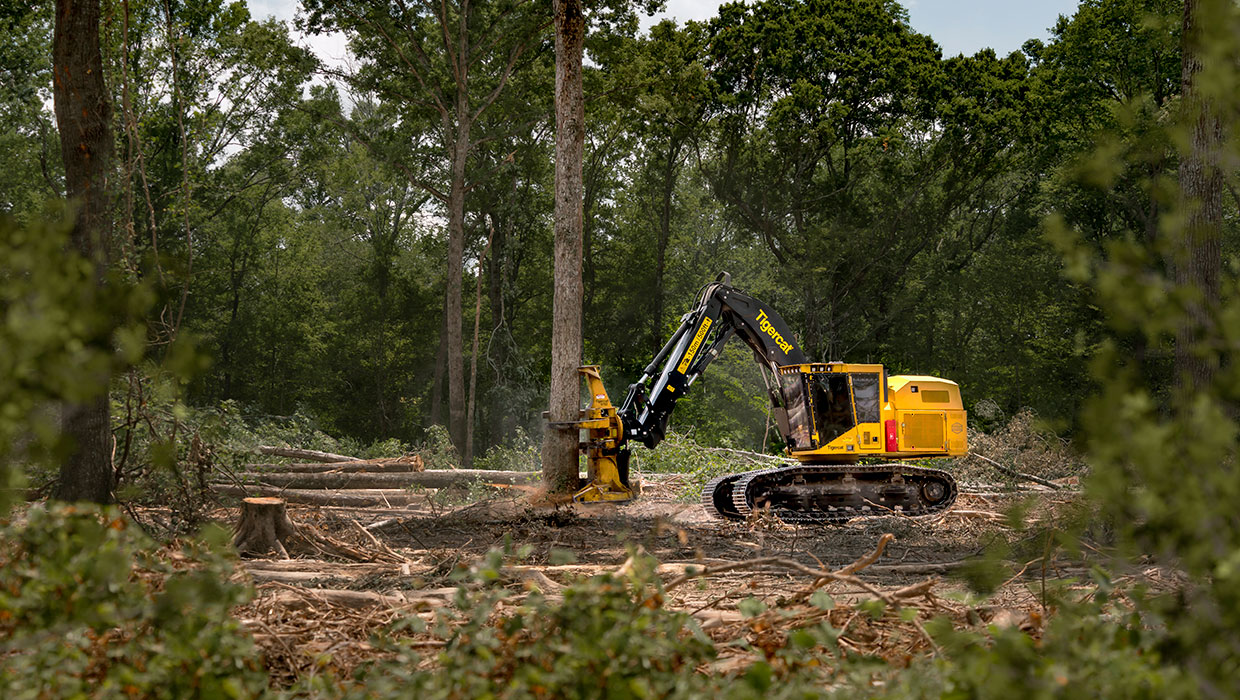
x: 833, y: 417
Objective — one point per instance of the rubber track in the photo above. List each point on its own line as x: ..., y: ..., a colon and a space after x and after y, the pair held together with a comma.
x: 708, y: 496
x: 749, y: 485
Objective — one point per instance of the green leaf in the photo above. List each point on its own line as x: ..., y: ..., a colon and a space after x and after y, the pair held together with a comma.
x: 759, y: 676
x: 822, y: 600
x: 751, y: 607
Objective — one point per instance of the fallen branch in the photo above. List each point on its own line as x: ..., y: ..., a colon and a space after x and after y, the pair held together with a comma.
x: 312, y: 455
x: 786, y: 564
x: 916, y: 590
x: 864, y: 562
x: 870, y: 558
x: 985, y: 514
x: 1017, y: 474
x: 924, y: 568
x: 296, y: 597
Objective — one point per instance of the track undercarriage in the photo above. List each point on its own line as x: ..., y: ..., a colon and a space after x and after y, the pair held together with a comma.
x: 830, y: 493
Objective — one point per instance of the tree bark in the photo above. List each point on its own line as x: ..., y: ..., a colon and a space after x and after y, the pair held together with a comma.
x: 441, y: 359
x: 264, y: 527
x: 83, y: 117
x: 468, y: 458
x: 455, y: 350
x: 399, y: 464
x: 670, y: 173
x: 1198, y: 261
x: 559, y: 452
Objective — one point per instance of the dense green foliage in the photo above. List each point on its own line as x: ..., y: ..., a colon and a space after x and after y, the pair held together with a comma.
x: 887, y: 200
x: 91, y: 608
x: 59, y: 332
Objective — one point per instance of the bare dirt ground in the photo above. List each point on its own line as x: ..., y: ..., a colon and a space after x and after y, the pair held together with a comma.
x: 308, y: 606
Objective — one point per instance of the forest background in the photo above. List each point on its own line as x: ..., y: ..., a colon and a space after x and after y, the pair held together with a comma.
x: 321, y: 232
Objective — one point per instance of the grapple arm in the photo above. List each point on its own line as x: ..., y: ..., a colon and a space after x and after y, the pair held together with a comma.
x: 719, y: 312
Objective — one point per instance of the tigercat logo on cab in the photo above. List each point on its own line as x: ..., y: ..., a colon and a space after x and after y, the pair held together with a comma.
x: 767, y: 328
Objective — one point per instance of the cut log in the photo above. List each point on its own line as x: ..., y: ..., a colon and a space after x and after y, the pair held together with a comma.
x: 362, y: 480
x: 312, y: 455
x: 264, y: 527
x: 400, y: 464
x: 354, y: 498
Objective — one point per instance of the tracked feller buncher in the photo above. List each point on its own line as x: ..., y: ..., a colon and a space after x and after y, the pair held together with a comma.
x: 840, y: 421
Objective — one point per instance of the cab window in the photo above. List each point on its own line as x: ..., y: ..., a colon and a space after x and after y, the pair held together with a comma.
x: 832, y: 405
x: 866, y: 397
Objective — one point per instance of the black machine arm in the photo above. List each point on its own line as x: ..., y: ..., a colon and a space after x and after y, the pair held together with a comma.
x: 720, y: 312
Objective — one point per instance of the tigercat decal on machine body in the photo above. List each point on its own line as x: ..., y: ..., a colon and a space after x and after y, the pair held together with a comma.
x: 772, y: 333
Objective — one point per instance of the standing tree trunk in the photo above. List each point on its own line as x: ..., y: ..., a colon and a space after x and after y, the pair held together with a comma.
x: 559, y: 453
x: 83, y: 117
x: 468, y: 458
x: 1199, y: 258
x: 670, y: 173
x: 441, y: 359
x: 456, y: 262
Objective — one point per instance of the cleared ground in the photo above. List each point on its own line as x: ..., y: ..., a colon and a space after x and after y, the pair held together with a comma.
x: 403, y: 561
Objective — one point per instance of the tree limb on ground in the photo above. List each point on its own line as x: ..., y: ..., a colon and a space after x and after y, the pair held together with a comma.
x: 820, y: 575
x: 296, y: 597
x: 1017, y: 474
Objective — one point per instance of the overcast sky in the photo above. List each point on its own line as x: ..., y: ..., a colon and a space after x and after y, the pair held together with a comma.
x: 958, y: 26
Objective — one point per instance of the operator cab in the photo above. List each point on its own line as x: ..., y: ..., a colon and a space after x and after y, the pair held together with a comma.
x: 838, y: 412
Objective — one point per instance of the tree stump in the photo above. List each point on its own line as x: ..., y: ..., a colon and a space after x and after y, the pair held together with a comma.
x: 264, y: 526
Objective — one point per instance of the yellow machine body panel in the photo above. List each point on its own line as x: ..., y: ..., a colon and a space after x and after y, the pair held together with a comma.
x: 841, y: 412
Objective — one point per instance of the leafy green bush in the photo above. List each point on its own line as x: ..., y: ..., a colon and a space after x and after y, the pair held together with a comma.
x: 1084, y: 654
x: 60, y: 336
x: 89, y: 608
x: 603, y: 637
x: 681, y: 454
x: 437, y: 451
x: 518, y: 453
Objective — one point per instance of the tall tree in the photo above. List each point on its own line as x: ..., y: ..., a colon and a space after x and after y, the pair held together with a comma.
x: 559, y: 452
x: 31, y: 174
x: 1198, y: 262
x: 671, y: 115
x: 823, y: 104
x: 83, y: 115
x: 448, y: 63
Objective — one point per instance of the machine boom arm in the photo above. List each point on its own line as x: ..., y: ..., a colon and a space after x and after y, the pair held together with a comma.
x: 720, y: 312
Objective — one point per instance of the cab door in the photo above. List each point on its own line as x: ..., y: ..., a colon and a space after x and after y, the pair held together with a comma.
x: 867, y: 403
